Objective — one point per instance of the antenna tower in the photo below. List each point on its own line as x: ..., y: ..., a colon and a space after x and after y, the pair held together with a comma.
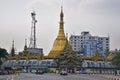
x: 33, y: 31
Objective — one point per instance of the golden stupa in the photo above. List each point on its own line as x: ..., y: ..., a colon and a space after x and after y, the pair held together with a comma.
x: 61, y: 41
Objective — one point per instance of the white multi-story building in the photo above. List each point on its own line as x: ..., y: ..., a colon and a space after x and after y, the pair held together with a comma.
x: 87, y: 44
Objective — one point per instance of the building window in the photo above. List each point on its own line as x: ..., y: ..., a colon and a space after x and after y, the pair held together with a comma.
x: 74, y: 42
x: 106, y: 47
x: 101, y: 38
x: 89, y: 37
x: 107, y: 39
x: 70, y: 39
x: 107, y: 44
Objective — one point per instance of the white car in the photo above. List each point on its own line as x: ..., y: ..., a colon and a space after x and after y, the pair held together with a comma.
x: 63, y: 73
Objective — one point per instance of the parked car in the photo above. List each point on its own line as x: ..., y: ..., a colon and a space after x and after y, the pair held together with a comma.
x: 4, y: 72
x: 1, y: 72
x: 63, y: 72
x: 83, y: 72
x: 39, y: 72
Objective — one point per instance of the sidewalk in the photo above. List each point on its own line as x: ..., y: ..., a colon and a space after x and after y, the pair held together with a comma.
x: 112, y: 77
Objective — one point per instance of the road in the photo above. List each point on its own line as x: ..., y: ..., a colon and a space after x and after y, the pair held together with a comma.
x: 51, y: 76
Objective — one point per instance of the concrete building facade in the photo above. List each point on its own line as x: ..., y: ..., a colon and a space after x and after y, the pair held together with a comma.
x: 87, y: 44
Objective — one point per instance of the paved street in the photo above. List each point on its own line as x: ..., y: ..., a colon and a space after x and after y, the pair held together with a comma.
x: 52, y: 76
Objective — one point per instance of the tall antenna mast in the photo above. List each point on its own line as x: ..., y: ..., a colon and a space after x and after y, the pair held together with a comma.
x: 33, y: 31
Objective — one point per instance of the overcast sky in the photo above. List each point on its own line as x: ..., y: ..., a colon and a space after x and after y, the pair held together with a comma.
x: 100, y: 17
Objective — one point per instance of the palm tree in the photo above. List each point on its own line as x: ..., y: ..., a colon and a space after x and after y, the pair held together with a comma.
x: 116, y: 60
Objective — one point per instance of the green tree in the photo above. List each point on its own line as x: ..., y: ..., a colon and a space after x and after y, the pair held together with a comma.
x: 116, y: 60
x: 3, y: 54
x: 69, y: 59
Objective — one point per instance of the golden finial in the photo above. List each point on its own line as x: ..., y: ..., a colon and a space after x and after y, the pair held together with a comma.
x: 61, y: 14
x: 25, y: 41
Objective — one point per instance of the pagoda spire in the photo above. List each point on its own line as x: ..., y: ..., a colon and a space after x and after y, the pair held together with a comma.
x: 13, y: 49
x: 25, y: 47
x: 61, y: 24
x: 61, y: 15
x: 13, y: 44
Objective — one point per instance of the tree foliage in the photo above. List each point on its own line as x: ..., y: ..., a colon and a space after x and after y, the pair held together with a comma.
x: 116, y: 60
x: 3, y: 54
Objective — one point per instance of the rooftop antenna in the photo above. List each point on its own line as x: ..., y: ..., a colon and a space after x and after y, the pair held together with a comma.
x: 33, y: 31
